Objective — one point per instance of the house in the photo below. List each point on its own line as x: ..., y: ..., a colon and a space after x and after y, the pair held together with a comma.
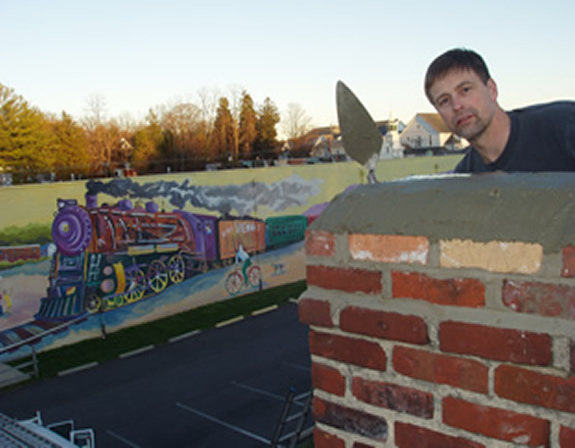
x: 428, y: 130
x: 391, y: 131
x: 327, y: 142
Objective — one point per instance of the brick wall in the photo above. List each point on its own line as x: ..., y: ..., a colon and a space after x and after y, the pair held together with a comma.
x: 442, y: 314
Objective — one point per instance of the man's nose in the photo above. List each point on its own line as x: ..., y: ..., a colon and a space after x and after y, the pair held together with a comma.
x: 457, y: 103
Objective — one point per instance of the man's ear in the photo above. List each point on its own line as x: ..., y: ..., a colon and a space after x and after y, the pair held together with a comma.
x: 492, y: 89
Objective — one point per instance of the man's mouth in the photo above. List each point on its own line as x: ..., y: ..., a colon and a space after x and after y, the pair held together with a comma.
x: 463, y: 120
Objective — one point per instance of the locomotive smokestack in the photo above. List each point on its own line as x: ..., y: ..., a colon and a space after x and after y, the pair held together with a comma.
x: 91, y: 201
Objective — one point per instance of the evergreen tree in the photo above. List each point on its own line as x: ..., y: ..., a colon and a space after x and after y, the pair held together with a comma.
x: 26, y: 144
x: 223, y: 131
x: 268, y: 118
x: 247, y: 126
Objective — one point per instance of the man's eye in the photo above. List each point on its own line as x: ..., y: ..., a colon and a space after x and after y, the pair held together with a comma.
x: 442, y: 101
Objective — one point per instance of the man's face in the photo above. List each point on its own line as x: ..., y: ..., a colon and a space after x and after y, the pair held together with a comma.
x: 466, y: 104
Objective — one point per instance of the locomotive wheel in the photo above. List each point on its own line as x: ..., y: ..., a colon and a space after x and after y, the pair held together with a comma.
x: 234, y: 283
x: 136, y: 285
x: 177, y: 268
x: 93, y: 303
x: 254, y: 275
x: 157, y: 276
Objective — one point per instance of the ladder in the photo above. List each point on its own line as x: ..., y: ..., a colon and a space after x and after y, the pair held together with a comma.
x: 295, y: 420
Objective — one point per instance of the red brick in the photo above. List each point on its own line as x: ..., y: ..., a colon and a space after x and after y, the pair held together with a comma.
x: 319, y: 243
x: 328, y: 379
x: 568, y: 255
x: 394, y: 397
x: 566, y: 437
x: 526, y: 386
x: 381, y: 324
x: 411, y: 436
x: 323, y: 439
x: 348, y: 280
x: 350, y: 420
x: 499, y: 344
x: 349, y: 350
x: 454, y: 291
x: 442, y: 369
x: 496, y: 423
x: 545, y: 299
x: 315, y: 312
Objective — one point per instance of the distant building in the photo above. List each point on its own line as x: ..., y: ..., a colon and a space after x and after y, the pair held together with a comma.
x: 326, y: 142
x: 391, y: 131
x: 428, y: 131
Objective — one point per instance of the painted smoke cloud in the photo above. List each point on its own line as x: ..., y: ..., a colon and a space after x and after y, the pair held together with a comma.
x: 244, y: 199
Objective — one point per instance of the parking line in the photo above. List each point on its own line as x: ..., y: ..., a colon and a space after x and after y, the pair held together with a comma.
x: 222, y: 423
x: 121, y: 439
x: 184, y: 336
x: 228, y: 322
x: 264, y: 310
x: 78, y: 369
x: 136, y: 352
x: 296, y: 366
x: 258, y: 391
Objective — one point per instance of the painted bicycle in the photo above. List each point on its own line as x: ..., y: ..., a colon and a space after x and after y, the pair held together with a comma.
x: 243, y: 278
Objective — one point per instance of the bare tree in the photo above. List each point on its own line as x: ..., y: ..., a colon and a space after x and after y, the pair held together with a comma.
x: 235, y: 101
x: 95, y: 110
x: 296, y: 122
x: 208, y: 100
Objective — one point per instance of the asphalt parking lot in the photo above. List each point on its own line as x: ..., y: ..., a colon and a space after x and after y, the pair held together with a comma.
x: 224, y: 387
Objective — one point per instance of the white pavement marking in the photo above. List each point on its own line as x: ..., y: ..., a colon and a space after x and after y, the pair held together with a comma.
x: 221, y: 422
x: 230, y: 321
x: 121, y: 439
x: 184, y: 336
x: 258, y: 391
x: 137, y: 351
x: 78, y: 369
x: 264, y: 310
x: 296, y: 366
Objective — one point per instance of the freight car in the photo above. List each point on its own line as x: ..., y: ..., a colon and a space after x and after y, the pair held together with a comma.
x: 13, y: 254
x: 111, y: 256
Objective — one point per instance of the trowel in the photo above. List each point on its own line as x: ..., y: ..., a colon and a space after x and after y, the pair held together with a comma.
x: 361, y: 138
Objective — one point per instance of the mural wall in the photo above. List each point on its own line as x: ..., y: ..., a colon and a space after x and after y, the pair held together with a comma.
x: 78, y: 257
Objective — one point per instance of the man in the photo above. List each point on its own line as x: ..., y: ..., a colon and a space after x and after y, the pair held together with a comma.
x: 243, y: 256
x: 535, y: 138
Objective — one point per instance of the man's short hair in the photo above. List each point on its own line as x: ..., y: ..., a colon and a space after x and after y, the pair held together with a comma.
x: 456, y: 59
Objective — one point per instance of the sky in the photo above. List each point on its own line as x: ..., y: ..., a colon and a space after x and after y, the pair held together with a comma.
x: 136, y: 55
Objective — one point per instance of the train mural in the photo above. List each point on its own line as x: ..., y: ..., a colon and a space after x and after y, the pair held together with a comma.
x: 110, y: 256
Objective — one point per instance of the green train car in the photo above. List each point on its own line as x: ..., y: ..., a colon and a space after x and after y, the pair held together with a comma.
x: 285, y: 230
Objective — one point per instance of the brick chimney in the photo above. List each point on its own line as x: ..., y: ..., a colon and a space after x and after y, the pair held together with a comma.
x: 442, y: 313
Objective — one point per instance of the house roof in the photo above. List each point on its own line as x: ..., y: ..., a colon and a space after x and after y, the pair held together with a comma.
x: 436, y: 122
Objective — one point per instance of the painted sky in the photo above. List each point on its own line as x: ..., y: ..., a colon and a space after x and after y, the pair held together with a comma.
x: 140, y: 54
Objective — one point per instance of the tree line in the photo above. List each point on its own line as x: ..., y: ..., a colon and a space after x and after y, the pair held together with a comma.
x: 181, y: 137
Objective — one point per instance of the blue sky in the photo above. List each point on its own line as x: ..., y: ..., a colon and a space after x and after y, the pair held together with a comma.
x: 140, y: 54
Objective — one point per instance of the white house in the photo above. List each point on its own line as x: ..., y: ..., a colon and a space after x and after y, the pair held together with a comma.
x: 429, y: 131
x: 391, y: 131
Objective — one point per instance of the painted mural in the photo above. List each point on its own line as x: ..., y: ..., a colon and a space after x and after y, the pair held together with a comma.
x: 87, y: 258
